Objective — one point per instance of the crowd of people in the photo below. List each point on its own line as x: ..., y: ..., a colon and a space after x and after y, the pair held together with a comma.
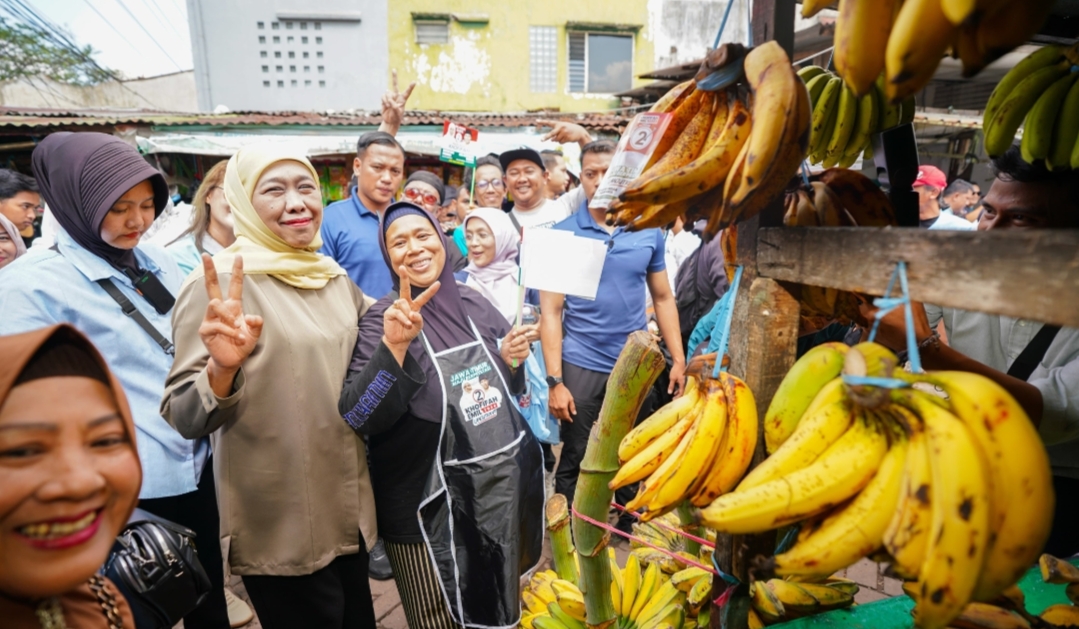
x: 328, y: 394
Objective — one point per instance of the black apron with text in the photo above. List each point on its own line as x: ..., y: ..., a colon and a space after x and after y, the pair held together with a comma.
x: 482, y: 510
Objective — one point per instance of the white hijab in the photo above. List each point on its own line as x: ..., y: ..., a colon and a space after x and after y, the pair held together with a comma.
x: 498, y: 280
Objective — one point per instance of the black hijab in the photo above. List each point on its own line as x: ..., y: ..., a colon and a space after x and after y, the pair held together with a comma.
x: 81, y: 175
x: 445, y: 321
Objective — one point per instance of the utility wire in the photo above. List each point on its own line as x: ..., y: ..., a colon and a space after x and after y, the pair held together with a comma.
x: 160, y: 16
x: 22, y: 10
x: 148, y: 34
x: 111, y: 25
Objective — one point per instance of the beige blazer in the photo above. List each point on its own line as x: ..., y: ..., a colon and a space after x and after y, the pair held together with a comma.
x: 292, y: 480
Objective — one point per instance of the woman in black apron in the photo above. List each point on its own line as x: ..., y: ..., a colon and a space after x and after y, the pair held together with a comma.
x: 457, y: 474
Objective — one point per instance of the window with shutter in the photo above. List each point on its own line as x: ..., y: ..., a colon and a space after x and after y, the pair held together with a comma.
x: 432, y: 31
x: 600, y: 63
x: 577, y: 59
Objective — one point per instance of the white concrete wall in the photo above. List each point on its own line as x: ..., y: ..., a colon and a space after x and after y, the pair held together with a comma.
x: 684, y: 30
x: 169, y: 92
x: 229, y: 59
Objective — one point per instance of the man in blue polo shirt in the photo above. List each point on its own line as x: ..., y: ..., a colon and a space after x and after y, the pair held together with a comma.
x: 582, y: 339
x: 350, y: 227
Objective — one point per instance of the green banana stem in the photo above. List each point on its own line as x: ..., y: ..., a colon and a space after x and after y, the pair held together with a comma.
x: 690, y: 525
x: 565, y: 563
x: 638, y: 366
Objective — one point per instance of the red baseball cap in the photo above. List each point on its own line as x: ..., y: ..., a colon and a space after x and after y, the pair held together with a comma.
x: 931, y: 176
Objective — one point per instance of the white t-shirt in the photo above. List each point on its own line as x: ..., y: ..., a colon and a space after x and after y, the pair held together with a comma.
x: 546, y: 215
x: 953, y: 222
x: 678, y: 247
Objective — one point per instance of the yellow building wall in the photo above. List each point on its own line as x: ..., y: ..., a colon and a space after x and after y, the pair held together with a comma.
x: 485, y: 66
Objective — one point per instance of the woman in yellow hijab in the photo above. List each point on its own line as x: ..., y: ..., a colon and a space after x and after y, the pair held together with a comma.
x: 259, y: 367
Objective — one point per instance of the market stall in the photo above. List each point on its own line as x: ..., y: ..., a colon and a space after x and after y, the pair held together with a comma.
x: 774, y: 264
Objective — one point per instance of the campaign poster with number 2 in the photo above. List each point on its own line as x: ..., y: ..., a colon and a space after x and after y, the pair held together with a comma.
x: 635, y: 148
x: 458, y: 144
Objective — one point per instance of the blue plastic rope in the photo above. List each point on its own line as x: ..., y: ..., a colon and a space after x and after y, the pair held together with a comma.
x: 805, y: 172
x: 730, y: 579
x: 885, y: 305
x: 722, y: 331
x: 723, y: 24
x: 788, y: 540
x: 749, y: 24
x: 884, y: 383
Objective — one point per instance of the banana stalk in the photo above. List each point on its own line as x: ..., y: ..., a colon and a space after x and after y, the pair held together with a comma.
x: 565, y: 564
x: 638, y: 366
x: 690, y: 525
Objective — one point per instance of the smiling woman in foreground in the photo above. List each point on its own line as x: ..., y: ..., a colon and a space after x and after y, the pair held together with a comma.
x: 69, y: 479
x: 457, y: 473
x: 259, y: 367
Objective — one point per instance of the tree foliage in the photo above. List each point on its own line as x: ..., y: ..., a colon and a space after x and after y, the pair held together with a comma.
x: 28, y: 51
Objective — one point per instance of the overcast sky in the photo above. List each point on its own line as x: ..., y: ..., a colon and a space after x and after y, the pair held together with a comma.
x: 155, y: 41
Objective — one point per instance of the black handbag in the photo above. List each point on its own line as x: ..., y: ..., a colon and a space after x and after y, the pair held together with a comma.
x: 154, y: 565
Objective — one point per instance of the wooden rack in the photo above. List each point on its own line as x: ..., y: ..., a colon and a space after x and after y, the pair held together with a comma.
x: 1028, y: 274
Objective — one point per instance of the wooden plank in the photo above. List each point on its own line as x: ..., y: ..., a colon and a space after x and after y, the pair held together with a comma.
x: 774, y: 19
x: 1026, y: 274
x: 765, y: 325
x: 769, y: 343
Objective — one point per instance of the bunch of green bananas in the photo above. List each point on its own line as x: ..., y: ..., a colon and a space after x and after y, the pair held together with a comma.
x: 844, y: 123
x: 957, y: 491
x: 695, y: 448
x: 906, y: 39
x: 779, y: 600
x: 1042, y: 93
x: 719, y: 158
x: 668, y: 540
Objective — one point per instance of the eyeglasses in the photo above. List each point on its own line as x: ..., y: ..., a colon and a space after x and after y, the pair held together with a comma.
x: 494, y: 183
x: 416, y: 195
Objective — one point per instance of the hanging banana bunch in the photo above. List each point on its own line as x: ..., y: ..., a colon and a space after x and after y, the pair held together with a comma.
x: 1042, y: 93
x: 958, y: 492
x: 906, y: 39
x: 713, y: 161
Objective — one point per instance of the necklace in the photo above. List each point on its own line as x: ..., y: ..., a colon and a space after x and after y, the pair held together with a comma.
x: 50, y: 615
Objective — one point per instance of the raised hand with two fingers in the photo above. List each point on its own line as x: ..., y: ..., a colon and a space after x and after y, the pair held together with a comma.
x: 228, y: 334
x: 402, y: 321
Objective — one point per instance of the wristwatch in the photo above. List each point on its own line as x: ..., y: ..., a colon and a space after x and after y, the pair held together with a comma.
x: 553, y: 381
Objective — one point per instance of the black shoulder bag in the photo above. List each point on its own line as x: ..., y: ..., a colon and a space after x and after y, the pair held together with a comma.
x: 1033, y: 353
x: 154, y: 565
x: 155, y: 293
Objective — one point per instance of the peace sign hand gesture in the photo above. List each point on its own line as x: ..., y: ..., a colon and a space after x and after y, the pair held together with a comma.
x: 402, y: 321
x: 393, y: 106
x: 228, y: 334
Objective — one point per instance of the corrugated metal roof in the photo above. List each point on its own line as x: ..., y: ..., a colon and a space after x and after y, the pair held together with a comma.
x: 24, y: 117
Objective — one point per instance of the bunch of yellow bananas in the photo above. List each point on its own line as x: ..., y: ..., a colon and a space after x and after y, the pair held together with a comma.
x: 837, y: 197
x: 695, y: 448
x: 1042, y: 93
x: 843, y: 123
x: 779, y: 600
x: 1059, y: 571
x: 720, y: 158
x: 645, y: 598
x: 906, y: 39
x: 552, y: 603
x: 957, y: 491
